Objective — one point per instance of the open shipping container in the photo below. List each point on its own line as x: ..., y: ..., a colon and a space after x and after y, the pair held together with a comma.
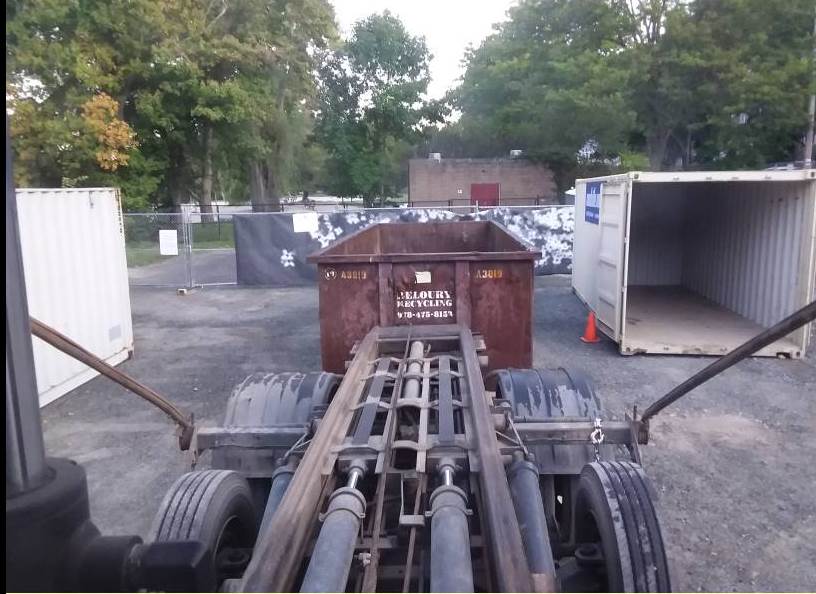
x: 696, y: 262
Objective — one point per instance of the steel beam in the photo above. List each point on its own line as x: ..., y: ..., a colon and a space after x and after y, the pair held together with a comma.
x: 512, y: 572
x: 558, y: 432
x: 280, y: 549
x: 25, y: 450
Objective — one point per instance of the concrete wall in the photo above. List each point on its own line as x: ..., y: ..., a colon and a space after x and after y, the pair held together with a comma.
x: 437, y: 183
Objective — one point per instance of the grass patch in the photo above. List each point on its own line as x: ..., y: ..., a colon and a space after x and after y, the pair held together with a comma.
x: 213, y: 245
x: 142, y: 249
x: 213, y: 235
x: 142, y: 254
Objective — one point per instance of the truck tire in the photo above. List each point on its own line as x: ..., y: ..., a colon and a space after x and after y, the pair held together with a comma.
x: 615, y: 516
x: 213, y: 507
x: 552, y: 395
x: 289, y: 401
x: 541, y: 394
x: 275, y: 399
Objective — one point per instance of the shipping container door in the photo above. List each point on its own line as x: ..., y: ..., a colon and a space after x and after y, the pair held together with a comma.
x: 611, y: 256
x: 73, y: 246
x: 484, y: 194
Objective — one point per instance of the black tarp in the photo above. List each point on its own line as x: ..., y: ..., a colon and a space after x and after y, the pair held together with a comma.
x: 269, y: 252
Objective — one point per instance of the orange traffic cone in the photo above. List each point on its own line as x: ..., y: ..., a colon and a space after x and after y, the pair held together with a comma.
x: 590, y: 332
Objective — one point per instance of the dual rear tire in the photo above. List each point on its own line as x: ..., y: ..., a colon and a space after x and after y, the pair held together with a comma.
x: 616, y: 529
x: 215, y: 508
x: 611, y: 539
x: 221, y: 508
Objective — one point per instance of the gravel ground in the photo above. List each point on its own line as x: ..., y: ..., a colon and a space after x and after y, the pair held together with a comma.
x: 732, y: 462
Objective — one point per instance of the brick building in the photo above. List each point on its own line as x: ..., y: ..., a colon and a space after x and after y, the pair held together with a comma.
x: 459, y: 182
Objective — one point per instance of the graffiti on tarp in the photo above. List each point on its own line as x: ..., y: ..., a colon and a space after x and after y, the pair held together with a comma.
x: 548, y: 230
x: 270, y: 252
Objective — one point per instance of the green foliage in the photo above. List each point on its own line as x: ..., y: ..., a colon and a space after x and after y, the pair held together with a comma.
x: 631, y: 161
x: 758, y: 71
x: 371, y: 107
x: 202, y: 99
x: 531, y: 87
x: 73, y: 54
x: 707, y: 83
x: 207, y: 88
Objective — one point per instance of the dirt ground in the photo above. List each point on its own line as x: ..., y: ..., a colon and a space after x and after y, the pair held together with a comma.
x: 732, y: 462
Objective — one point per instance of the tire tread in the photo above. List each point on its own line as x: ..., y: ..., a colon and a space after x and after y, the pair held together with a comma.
x: 186, y: 499
x: 624, y: 486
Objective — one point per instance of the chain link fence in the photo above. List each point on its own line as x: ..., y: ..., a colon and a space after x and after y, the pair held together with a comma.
x: 182, y: 250
x: 191, y: 249
x: 212, y: 249
x: 156, y: 245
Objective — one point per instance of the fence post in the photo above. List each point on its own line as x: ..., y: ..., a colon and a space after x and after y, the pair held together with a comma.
x: 187, y: 234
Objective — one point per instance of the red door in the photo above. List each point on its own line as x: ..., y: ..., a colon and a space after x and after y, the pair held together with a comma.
x: 484, y: 194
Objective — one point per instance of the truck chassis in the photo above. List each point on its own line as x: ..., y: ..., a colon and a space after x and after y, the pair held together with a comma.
x: 408, y: 474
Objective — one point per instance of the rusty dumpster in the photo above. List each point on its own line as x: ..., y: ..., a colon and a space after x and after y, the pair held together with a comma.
x: 473, y: 273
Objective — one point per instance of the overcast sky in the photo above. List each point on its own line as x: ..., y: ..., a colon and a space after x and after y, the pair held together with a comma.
x: 447, y: 25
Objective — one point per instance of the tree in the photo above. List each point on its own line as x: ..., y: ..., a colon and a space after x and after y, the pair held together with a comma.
x: 210, y: 88
x: 299, y: 31
x: 242, y: 81
x: 62, y: 60
x: 708, y: 83
x: 757, y: 73
x: 720, y: 83
x: 371, y: 107
x: 545, y: 83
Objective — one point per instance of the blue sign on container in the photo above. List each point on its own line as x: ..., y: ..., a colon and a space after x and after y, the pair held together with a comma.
x: 592, y: 203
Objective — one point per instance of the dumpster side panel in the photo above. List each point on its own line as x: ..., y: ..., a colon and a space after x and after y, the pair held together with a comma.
x: 349, y: 308
x: 501, y: 296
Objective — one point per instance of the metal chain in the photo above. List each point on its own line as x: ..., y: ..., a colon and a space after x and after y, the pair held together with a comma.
x: 597, y: 438
x: 301, y: 441
x: 518, y: 437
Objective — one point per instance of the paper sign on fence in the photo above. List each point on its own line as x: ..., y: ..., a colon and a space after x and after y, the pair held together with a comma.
x: 168, y: 242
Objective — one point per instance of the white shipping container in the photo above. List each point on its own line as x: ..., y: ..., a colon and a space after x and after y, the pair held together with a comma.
x: 696, y: 262
x: 73, y: 248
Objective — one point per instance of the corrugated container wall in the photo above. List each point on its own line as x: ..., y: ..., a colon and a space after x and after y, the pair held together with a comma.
x: 76, y: 279
x: 696, y: 262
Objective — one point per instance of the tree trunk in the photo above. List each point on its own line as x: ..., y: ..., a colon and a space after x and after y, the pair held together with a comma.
x: 262, y: 181
x: 174, y: 177
x: 257, y: 186
x: 263, y: 193
x: 272, y: 190
x: 687, y: 153
x: 207, y: 179
x: 656, y: 142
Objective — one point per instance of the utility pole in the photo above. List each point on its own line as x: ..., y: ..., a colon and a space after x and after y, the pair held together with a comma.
x: 812, y: 109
